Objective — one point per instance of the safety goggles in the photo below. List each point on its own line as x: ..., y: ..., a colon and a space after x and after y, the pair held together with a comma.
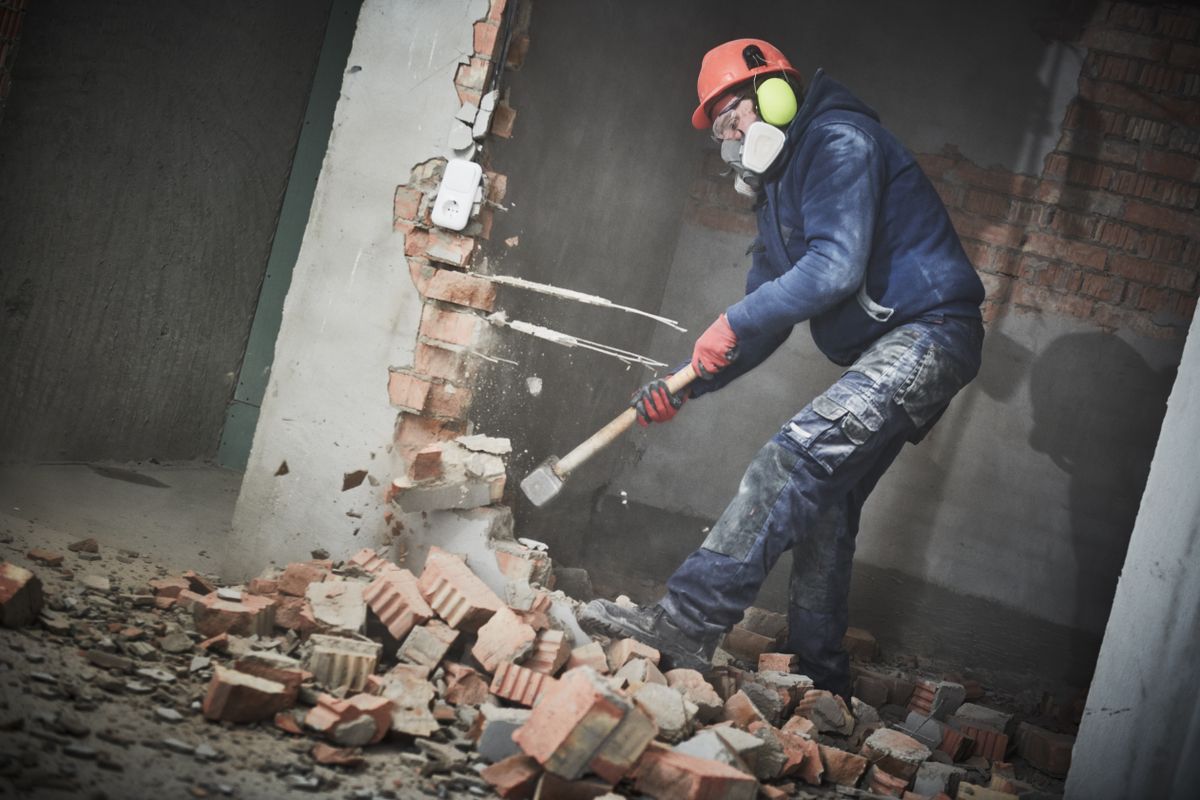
x: 725, y: 120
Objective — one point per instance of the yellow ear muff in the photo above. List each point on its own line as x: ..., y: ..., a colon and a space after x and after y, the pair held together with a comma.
x: 776, y: 101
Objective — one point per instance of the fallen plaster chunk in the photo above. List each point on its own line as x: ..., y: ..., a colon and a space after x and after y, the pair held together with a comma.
x: 496, y: 445
x: 467, y: 113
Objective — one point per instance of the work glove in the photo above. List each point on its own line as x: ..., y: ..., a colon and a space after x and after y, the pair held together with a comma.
x: 654, y: 402
x: 715, y: 349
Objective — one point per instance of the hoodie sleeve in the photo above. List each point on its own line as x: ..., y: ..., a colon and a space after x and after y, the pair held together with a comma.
x: 838, y: 179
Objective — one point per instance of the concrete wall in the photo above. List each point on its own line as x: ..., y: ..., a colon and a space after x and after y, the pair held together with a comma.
x: 998, y: 541
x: 352, y: 309
x: 1141, y: 727
x: 145, y: 148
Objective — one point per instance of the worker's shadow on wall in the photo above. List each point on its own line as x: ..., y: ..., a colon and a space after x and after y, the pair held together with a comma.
x: 1097, y: 409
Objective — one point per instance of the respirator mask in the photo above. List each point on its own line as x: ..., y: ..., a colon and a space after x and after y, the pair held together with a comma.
x: 756, y: 152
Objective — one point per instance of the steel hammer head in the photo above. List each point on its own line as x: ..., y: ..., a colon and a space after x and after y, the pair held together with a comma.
x: 543, y: 484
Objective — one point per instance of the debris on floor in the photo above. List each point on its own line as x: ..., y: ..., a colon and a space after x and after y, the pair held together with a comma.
x: 365, y: 676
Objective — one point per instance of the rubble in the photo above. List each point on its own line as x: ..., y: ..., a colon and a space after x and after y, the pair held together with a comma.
x: 474, y: 688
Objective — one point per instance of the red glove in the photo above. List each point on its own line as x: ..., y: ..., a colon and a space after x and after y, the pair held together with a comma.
x: 655, y: 403
x: 715, y: 349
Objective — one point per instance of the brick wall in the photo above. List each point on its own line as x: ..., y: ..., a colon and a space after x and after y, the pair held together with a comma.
x: 11, y: 14
x: 1109, y: 231
x: 433, y: 394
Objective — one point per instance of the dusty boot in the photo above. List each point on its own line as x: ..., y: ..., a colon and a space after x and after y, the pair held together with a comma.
x: 650, y: 626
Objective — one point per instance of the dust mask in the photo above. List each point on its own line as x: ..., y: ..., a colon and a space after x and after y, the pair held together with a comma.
x: 752, y: 155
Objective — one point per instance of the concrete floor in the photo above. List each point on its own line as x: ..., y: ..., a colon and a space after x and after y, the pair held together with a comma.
x: 179, y: 515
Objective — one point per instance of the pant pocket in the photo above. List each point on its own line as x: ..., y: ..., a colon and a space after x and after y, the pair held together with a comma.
x: 834, y: 425
x: 930, y: 388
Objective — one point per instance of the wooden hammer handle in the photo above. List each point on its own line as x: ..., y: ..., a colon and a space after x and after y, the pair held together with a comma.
x: 605, y: 436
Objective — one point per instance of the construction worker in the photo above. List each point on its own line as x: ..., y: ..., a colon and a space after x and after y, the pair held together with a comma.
x: 853, y: 238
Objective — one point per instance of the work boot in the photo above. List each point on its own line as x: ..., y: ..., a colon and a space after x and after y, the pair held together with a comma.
x: 650, y: 626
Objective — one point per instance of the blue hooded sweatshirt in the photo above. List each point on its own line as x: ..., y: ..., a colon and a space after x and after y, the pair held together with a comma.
x: 851, y: 236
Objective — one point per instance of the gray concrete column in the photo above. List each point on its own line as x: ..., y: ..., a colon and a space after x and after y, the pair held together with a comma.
x: 1140, y: 735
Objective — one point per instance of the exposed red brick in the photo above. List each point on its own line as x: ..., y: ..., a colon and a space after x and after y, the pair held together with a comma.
x: 251, y: 615
x: 439, y: 362
x: 504, y: 637
x: 518, y: 684
x: 1001, y: 234
x: 465, y: 686
x: 449, y: 401
x: 1178, y: 222
x: 590, y: 654
x: 452, y: 327
x: 1148, y: 47
x: 860, y: 644
x: 1080, y: 253
x: 550, y: 652
x: 668, y: 775
x: 455, y: 593
x: 841, y: 767
x: 20, y: 596
x: 622, y: 651
x: 43, y: 556
x: 407, y: 203
x: 408, y: 391
x: 461, y: 289
x: 330, y: 712
x: 396, y: 599
x: 518, y: 49
x: 1047, y: 751
x: 496, y: 10
x: 298, y: 575
x: 503, y: 119
x: 781, y: 662
x: 485, y: 39
x: 515, y: 777
x: 237, y: 697
x: 880, y: 782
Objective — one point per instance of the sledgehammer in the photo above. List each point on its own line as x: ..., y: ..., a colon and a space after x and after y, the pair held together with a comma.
x: 544, y: 483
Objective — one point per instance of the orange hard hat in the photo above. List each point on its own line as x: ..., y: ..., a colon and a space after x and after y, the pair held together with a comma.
x: 729, y: 64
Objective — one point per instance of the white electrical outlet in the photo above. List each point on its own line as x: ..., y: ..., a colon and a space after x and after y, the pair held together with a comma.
x: 456, y: 195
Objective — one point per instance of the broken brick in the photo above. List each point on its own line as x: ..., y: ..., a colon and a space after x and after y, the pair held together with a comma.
x: 955, y: 743
x: 47, y: 557
x: 665, y: 774
x: 936, y: 699
x: 881, y: 782
x: 369, y: 561
x: 426, y: 464
x: 426, y: 645
x: 297, y: 576
x: 1047, y: 751
x: 778, y: 662
x: 741, y: 710
x: 294, y: 614
x: 640, y: 671
x: 800, y: 725
x: 673, y: 715
x: 550, y: 652
x: 518, y: 684
x: 396, y: 599
x: 504, y: 637
x: 20, y: 596
x: 515, y: 777
x: 691, y: 684
x: 860, y: 644
x: 411, y: 695
x: 894, y: 752
x: 169, y: 587
x: 842, y: 767
x: 338, y: 605
x: 455, y: 593
x: 273, y: 667
x: 590, y: 654
x: 336, y: 756
x: 250, y: 616
x: 746, y: 644
x: 237, y: 697
x: 465, y: 686
x: 581, y: 724
x: 335, y: 661
x: 329, y: 713
x: 198, y: 583
x: 262, y: 586
x: 460, y: 288
x: 623, y: 650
